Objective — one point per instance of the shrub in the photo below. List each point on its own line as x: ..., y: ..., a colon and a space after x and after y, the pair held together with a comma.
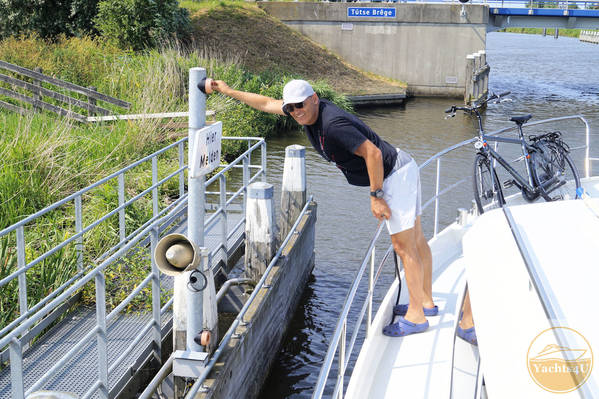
x: 47, y: 18
x: 138, y: 24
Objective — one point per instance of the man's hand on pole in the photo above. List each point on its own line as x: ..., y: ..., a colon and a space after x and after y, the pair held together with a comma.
x: 380, y: 209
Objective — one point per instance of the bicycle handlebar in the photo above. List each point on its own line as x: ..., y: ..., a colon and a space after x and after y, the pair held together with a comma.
x: 455, y: 108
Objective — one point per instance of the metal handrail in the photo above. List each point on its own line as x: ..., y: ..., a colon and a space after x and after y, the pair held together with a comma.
x: 13, y: 334
x: 340, y: 329
x: 239, y: 319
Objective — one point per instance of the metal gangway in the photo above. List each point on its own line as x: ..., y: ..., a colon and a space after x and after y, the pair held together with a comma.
x: 58, y: 344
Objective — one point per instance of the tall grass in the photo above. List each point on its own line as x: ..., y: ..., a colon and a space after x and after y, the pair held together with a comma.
x: 44, y: 158
x: 549, y: 31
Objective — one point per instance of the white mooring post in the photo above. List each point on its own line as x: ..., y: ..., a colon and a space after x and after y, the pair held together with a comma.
x: 293, y: 194
x: 260, y: 229
x: 476, y: 84
x: 484, y: 78
x: 468, y: 90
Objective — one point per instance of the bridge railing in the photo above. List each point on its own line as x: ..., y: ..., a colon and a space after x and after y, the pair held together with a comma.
x: 562, y: 4
x: 341, y: 348
x: 133, y: 239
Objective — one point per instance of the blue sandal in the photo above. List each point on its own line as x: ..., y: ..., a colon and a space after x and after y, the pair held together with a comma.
x: 468, y: 335
x: 404, y: 327
x: 402, y: 309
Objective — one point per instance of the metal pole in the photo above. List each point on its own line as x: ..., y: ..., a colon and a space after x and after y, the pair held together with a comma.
x: 101, y: 338
x: 157, y: 334
x: 263, y: 154
x: 342, y: 360
x: 437, y: 197
x: 155, y: 189
x: 196, y: 206
x: 224, y: 228
x: 16, y: 369
x: 370, y: 292
x: 21, y: 263
x: 122, y: 226
x: 182, y: 173
x: 79, y: 229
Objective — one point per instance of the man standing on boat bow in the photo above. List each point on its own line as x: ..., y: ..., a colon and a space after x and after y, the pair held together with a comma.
x: 365, y: 160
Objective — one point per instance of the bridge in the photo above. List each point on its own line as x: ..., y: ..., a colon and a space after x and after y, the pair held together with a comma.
x: 543, y: 14
x: 425, y: 44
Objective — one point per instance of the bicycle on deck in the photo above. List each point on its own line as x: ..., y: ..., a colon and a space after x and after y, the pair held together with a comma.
x: 550, y: 172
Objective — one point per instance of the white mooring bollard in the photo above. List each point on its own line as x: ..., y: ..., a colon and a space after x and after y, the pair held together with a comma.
x: 293, y: 194
x: 260, y: 229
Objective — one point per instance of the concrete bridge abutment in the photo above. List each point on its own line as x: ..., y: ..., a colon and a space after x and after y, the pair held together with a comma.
x: 422, y: 44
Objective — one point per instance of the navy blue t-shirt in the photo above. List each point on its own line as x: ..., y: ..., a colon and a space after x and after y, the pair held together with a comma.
x: 337, y: 134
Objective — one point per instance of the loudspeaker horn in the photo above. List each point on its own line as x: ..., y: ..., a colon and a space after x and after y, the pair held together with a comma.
x: 175, y: 254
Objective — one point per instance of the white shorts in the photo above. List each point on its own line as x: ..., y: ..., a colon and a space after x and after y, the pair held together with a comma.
x: 402, y: 194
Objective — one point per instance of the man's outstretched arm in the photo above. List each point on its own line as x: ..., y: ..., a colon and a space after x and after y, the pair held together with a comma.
x: 257, y: 101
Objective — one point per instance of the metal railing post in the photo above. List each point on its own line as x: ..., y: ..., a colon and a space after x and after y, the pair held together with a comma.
x: 246, y: 181
x: 263, y: 151
x: 370, y: 293
x: 224, y: 221
x: 101, y: 339
x: 79, y: 229
x: 157, y: 335
x: 155, y: 189
x: 122, y: 227
x: 16, y: 369
x: 437, y: 196
x: 21, y: 263
x: 341, y: 370
x: 182, y: 173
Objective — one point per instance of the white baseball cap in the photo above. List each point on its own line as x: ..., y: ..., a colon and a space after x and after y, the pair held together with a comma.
x: 296, y: 91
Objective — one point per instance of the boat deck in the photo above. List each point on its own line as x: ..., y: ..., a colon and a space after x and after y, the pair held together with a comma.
x: 420, y: 365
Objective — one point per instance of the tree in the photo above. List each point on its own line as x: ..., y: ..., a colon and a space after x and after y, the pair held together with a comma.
x: 47, y: 18
x: 138, y: 24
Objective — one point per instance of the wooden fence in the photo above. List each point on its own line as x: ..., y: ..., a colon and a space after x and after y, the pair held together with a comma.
x: 477, y: 77
x: 32, y: 92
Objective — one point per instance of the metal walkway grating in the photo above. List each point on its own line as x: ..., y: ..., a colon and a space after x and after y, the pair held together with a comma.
x: 81, y: 371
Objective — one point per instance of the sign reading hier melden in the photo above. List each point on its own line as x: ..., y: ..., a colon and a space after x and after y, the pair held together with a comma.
x: 205, y: 149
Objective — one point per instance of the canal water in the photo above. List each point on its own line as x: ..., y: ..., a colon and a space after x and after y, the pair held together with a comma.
x: 547, y: 78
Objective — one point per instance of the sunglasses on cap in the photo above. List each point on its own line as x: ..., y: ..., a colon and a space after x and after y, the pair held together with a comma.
x: 289, y: 108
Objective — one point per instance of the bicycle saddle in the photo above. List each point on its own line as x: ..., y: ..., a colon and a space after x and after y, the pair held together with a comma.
x: 521, y: 118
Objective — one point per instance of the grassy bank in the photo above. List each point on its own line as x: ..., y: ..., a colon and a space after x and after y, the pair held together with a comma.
x: 539, y: 31
x: 45, y: 158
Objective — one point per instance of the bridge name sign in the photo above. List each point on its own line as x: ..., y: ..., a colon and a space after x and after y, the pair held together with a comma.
x: 377, y: 12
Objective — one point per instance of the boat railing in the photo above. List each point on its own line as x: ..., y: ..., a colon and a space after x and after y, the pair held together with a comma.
x: 34, y: 316
x: 338, y: 348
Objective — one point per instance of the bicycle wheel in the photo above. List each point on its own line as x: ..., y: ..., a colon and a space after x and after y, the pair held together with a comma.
x: 487, y: 190
x: 554, y: 172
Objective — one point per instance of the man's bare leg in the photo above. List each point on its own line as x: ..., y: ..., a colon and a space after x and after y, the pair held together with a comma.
x: 405, y: 244
x: 426, y: 257
x: 467, y: 321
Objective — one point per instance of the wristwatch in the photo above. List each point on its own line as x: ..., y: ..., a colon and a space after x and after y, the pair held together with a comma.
x: 378, y: 193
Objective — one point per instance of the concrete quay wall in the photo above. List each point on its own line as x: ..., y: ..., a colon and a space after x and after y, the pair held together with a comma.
x: 244, y: 364
x: 424, y: 44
